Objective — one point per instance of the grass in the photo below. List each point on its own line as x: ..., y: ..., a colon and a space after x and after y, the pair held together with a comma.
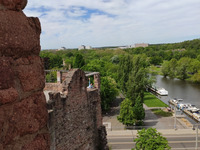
x: 162, y: 113
x: 152, y: 101
x: 155, y: 70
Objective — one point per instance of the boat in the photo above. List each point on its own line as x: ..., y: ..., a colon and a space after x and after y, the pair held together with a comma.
x: 162, y: 92
x: 196, y: 116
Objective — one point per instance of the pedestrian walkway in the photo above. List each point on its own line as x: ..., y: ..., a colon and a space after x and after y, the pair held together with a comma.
x: 151, y: 120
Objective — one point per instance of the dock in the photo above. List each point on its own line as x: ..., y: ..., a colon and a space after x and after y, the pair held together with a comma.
x: 185, y: 111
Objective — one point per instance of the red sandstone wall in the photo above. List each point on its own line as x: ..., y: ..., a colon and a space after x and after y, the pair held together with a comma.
x: 23, y: 112
x: 76, y: 121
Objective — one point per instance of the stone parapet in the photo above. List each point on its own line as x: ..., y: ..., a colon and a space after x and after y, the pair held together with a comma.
x: 23, y: 112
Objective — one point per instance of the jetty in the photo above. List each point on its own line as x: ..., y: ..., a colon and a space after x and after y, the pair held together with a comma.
x: 186, y: 108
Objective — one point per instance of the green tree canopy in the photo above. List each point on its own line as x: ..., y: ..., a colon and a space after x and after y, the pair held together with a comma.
x: 150, y: 139
x: 108, y: 92
x: 78, y: 61
x: 127, y: 115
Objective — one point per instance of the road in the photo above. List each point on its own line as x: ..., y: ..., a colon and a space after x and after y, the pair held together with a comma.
x: 176, y: 142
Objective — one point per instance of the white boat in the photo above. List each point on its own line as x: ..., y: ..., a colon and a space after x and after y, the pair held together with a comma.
x: 196, y: 116
x: 162, y: 92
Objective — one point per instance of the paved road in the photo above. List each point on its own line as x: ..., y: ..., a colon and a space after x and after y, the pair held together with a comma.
x: 178, y: 140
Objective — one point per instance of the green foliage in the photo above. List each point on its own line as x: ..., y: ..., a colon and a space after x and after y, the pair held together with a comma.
x: 156, y: 60
x: 108, y: 92
x: 51, y: 77
x: 150, y: 139
x: 152, y: 101
x: 182, y: 67
x: 138, y: 79
x: 115, y: 59
x: 55, y: 61
x: 127, y: 115
x: 162, y: 113
x: 131, y: 114
x: 138, y: 110
x: 196, y: 77
x: 78, y: 61
x: 165, y: 68
x: 125, y: 67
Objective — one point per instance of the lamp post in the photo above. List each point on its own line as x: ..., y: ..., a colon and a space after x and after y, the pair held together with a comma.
x: 175, y: 118
x: 197, y: 127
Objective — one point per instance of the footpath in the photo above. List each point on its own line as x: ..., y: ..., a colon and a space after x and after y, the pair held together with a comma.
x: 151, y: 120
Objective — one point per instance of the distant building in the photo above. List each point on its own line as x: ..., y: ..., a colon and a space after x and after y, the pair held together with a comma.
x: 81, y: 47
x: 84, y: 47
x: 125, y: 47
x: 88, y: 47
x: 141, y: 45
x: 62, y: 48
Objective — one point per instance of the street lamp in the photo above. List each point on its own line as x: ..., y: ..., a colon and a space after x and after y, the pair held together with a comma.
x: 175, y: 118
x: 197, y: 127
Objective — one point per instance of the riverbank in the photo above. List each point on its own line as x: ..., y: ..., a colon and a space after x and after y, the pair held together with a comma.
x: 151, y: 100
x: 151, y: 120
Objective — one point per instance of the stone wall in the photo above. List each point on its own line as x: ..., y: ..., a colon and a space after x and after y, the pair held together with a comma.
x: 23, y: 112
x: 75, y: 120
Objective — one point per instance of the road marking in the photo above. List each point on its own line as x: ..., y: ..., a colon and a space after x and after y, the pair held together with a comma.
x: 172, y: 142
x: 124, y: 137
x: 114, y: 143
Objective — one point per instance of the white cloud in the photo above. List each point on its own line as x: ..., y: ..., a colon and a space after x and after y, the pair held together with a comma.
x: 115, y: 22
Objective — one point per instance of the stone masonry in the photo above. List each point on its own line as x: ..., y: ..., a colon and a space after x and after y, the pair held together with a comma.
x: 23, y: 112
x: 75, y: 120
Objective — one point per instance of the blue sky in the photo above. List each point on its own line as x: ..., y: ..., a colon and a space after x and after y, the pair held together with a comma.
x: 99, y: 23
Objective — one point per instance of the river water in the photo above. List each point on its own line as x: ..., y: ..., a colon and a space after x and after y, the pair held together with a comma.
x: 189, y: 92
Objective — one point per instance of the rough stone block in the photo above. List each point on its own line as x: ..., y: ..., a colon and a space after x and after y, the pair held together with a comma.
x: 19, y: 35
x: 12, y: 4
x: 41, y: 142
x: 8, y: 96
x: 7, y: 75
x: 30, y: 73
x: 29, y: 116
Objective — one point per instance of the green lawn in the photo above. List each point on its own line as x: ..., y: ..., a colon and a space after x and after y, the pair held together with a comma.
x: 162, y: 113
x: 152, y: 101
x: 155, y: 70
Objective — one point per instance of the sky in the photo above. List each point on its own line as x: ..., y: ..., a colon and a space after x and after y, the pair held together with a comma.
x: 98, y: 23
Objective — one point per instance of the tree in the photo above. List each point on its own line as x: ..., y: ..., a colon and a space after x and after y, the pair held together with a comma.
x: 172, y: 67
x: 127, y: 115
x: 182, y: 68
x: 78, y: 61
x: 150, y: 139
x: 138, y: 79
x: 125, y: 67
x: 108, y: 92
x: 139, y: 111
x: 165, y: 68
x: 156, y: 60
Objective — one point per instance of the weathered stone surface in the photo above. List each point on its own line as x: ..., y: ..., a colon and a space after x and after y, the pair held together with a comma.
x: 7, y: 75
x: 28, y: 117
x: 76, y: 120
x: 30, y: 72
x: 8, y: 96
x: 41, y: 142
x: 23, y: 112
x: 19, y: 35
x: 16, y: 5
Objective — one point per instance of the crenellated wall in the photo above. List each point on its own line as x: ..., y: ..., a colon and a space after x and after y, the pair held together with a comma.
x: 23, y: 112
x: 75, y: 120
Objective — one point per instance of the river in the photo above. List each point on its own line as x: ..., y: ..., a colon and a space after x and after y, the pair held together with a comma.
x: 189, y: 92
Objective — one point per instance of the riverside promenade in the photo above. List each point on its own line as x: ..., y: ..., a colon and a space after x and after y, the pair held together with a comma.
x: 120, y: 138
x: 151, y: 120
